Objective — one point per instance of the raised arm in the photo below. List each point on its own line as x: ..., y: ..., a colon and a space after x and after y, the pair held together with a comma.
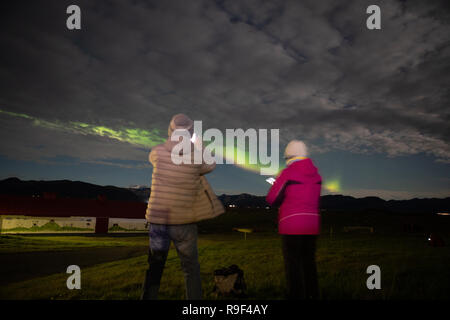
x: 275, y: 193
x: 207, y: 168
x: 152, y: 156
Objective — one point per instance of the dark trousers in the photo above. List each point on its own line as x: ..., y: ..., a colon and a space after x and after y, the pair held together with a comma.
x: 300, y: 266
x: 184, y: 237
x: 156, y: 262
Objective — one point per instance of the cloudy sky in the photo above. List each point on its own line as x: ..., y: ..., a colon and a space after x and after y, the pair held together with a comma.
x: 373, y: 105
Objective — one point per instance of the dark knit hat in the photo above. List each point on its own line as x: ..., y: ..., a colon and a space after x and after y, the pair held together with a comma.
x: 181, y: 121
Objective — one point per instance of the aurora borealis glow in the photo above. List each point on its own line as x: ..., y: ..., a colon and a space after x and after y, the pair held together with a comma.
x: 144, y: 139
x: 148, y: 139
x: 135, y: 136
x: 332, y: 185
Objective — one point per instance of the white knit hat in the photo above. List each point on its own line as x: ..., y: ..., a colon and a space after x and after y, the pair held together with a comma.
x: 181, y: 121
x: 295, y: 148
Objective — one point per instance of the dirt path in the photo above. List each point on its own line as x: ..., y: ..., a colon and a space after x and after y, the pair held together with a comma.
x: 21, y: 266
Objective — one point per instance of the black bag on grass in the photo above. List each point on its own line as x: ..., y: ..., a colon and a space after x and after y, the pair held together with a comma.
x: 229, y: 282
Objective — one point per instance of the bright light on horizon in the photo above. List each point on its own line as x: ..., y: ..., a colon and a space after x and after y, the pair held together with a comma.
x: 333, y: 186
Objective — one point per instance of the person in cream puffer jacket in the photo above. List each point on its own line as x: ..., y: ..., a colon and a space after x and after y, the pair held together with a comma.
x: 180, y: 196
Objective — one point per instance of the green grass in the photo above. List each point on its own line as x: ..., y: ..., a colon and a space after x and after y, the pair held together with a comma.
x: 410, y: 269
x: 31, y: 243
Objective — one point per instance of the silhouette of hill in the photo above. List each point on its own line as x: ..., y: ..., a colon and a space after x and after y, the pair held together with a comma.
x: 64, y: 189
x: 142, y: 193
x: 335, y: 203
x: 243, y: 200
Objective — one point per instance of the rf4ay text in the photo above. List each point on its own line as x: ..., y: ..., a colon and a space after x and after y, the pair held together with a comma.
x: 230, y: 309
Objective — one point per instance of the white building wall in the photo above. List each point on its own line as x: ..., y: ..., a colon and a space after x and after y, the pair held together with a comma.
x: 128, y: 224
x: 9, y: 223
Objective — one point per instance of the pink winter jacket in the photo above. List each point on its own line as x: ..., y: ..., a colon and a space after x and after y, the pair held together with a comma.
x: 297, y: 188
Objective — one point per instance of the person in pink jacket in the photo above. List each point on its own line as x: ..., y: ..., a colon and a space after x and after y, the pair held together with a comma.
x: 297, y: 191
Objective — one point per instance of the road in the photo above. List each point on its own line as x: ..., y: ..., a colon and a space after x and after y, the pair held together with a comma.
x: 15, y: 267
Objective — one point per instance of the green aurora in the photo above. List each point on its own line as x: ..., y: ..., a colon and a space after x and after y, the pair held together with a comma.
x: 144, y: 139
x: 135, y: 136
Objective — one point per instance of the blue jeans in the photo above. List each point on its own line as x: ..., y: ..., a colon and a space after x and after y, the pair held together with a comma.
x: 184, y: 237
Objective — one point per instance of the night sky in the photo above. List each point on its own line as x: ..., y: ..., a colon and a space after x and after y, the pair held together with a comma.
x: 372, y: 105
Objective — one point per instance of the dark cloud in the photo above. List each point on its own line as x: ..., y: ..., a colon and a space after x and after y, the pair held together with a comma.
x: 310, y: 68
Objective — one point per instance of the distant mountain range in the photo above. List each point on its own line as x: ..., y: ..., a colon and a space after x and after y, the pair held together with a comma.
x: 335, y: 203
x: 64, y: 189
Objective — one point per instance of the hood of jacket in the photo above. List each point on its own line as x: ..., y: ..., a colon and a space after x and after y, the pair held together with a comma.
x: 303, y: 171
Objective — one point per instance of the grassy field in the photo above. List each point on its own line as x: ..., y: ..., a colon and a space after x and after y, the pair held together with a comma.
x: 33, y: 243
x: 410, y: 269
